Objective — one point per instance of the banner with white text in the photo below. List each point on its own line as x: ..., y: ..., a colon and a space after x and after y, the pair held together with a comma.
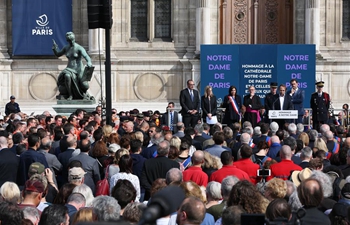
x: 35, y: 23
x: 241, y: 66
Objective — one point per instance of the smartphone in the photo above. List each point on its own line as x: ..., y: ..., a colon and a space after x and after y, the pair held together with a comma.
x: 263, y: 173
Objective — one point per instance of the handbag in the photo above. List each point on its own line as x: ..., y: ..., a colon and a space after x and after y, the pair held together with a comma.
x: 102, y: 186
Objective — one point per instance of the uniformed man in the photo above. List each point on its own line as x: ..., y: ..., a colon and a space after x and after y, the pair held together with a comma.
x: 270, y: 99
x: 319, y: 102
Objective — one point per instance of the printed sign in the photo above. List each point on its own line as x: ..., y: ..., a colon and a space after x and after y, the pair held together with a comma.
x: 257, y: 65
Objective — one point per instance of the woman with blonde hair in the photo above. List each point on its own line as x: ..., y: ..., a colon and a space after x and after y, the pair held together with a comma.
x: 9, y: 191
x: 208, y: 104
x: 304, y: 137
x: 321, y: 144
x: 114, y: 168
x: 84, y: 215
x: 211, y: 163
x: 106, y: 132
x: 175, y: 141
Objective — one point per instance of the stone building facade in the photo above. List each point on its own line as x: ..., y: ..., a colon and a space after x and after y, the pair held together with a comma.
x: 155, y: 47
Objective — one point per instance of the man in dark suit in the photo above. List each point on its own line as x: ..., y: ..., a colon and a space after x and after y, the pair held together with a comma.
x: 174, y: 117
x: 319, y: 102
x: 189, y: 100
x: 284, y: 102
x: 8, y: 163
x: 157, y: 167
x: 297, y: 95
x: 270, y: 99
x: 28, y: 157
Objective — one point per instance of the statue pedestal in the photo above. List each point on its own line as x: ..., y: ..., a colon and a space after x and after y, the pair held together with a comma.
x: 65, y: 107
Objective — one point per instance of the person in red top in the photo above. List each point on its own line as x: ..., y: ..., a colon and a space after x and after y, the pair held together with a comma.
x: 246, y: 164
x: 284, y: 168
x: 228, y: 169
x: 195, y: 172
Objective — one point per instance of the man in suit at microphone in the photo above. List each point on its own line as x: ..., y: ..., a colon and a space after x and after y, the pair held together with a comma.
x: 319, y: 102
x: 190, y: 102
x: 283, y: 102
x: 297, y: 95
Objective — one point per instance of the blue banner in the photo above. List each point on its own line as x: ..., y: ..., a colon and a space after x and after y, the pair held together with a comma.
x: 257, y: 65
x: 36, y: 22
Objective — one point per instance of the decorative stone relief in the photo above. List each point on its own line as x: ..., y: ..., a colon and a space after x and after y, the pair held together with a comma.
x: 240, y: 28
x: 149, y: 86
x: 271, y: 27
x: 43, y: 86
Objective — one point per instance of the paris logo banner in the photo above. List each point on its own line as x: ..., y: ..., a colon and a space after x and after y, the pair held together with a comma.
x: 35, y: 23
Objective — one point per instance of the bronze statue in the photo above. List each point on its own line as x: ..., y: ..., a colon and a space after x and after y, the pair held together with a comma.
x: 73, y: 81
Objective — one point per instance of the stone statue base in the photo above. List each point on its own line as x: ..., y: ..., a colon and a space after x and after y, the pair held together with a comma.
x: 65, y: 107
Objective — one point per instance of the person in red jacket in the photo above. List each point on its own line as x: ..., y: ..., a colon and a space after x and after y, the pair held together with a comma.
x: 228, y: 169
x: 284, y: 168
x: 195, y: 172
x: 246, y: 164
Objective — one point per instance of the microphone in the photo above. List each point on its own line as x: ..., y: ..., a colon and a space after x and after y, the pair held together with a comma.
x: 163, y: 203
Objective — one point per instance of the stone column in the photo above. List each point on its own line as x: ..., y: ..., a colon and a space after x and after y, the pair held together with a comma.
x: 312, y: 22
x: 4, y: 29
x: 202, y: 24
x: 96, y: 41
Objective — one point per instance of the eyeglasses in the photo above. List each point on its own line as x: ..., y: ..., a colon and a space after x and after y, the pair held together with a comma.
x: 114, y: 112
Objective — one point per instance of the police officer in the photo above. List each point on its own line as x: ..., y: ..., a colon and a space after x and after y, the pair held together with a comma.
x: 320, y: 102
x: 270, y: 99
x: 12, y: 106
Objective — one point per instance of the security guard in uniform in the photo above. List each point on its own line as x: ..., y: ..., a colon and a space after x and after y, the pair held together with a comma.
x: 269, y: 101
x: 320, y: 102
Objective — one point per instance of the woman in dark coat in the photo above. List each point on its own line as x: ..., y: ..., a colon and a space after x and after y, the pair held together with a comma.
x: 252, y: 105
x: 208, y: 104
x: 232, y: 104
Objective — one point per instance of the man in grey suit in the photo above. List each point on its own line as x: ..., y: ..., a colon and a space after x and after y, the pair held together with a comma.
x: 297, y: 96
x: 171, y: 117
x: 51, y: 159
x: 89, y: 164
x: 190, y: 102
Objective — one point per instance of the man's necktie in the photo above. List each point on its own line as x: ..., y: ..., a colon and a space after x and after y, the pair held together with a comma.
x: 171, y: 121
x: 191, y: 93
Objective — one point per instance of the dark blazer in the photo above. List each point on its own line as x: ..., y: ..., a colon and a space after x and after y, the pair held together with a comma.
x: 25, y: 160
x: 187, y: 103
x: 164, y: 120
x: 230, y: 113
x: 320, y: 106
x: 64, y: 158
x: 287, y: 104
x: 208, y: 106
x: 8, y: 166
x: 297, y: 100
x: 156, y: 168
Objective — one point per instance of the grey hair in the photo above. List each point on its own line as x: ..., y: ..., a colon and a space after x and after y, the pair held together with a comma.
x: 306, y: 152
x: 248, y: 130
x: 173, y: 175
x: 300, y: 127
x: 31, y: 213
x: 77, y: 198
x: 245, y: 138
x: 257, y: 131
x: 228, y: 132
x: 292, y: 128
x: 86, y: 192
x: 324, y: 128
x: 227, y: 184
x: 325, y: 182
x: 313, y: 134
x: 199, y: 128
x: 214, y: 190
x: 246, y: 124
x: 294, y: 201
x: 274, y: 127
x: 106, y: 208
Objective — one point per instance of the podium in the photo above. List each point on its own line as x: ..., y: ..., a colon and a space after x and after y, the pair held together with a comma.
x: 283, y: 114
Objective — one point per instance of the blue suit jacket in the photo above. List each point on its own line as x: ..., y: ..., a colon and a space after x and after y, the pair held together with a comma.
x: 298, y: 100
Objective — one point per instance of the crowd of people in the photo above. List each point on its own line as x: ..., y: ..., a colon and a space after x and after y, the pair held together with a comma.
x: 245, y: 170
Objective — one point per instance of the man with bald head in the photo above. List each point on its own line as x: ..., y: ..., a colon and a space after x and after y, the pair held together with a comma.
x: 8, y: 163
x: 275, y: 147
x: 284, y: 168
x: 191, y: 211
x: 195, y: 172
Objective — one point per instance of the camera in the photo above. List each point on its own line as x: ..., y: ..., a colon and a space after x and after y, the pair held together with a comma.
x: 263, y: 173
